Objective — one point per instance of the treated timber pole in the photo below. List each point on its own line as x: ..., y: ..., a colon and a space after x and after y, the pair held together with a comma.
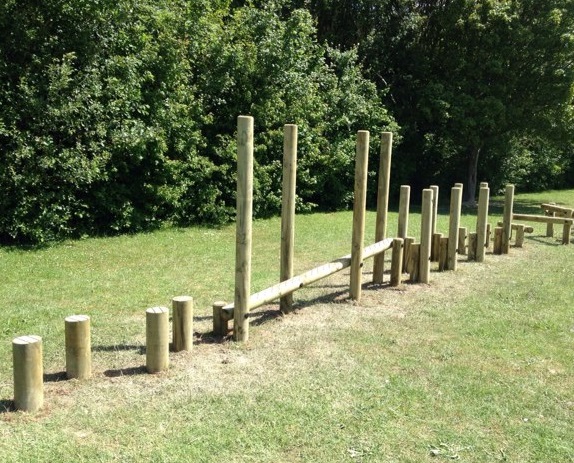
x: 543, y: 218
x: 78, y: 347
x: 382, y: 202
x: 454, y: 224
x: 243, y: 230
x: 497, y: 247
x: 481, y: 223
x: 404, y: 200
x: 311, y: 276
x: 550, y: 226
x: 414, y: 262
x: 426, y: 234
x: 182, y: 307
x: 567, y: 228
x: 519, y: 241
x: 28, y: 373
x: 359, y: 207
x: 220, y: 322
x: 288, y: 210
x: 461, y: 241
x: 157, y: 339
x: 443, y: 254
x: 434, y: 245
x: 507, y: 218
x: 397, y: 262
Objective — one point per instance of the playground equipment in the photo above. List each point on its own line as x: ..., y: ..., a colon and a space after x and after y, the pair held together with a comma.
x: 408, y: 256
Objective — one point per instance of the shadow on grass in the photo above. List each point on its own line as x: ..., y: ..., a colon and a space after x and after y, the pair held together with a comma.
x: 119, y: 348
x: 131, y: 371
x: 541, y: 239
x: 7, y: 406
x: 55, y: 377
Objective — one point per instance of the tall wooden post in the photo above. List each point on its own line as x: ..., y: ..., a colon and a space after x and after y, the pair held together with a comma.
x: 382, y: 203
x: 157, y: 339
x: 454, y: 224
x: 507, y: 218
x: 434, y: 189
x: 404, y: 201
x: 481, y: 222
x: 426, y: 234
x: 78, y: 346
x: 182, y: 307
x: 288, y: 210
x: 359, y: 205
x: 243, y: 228
x: 435, y: 240
x: 28, y: 373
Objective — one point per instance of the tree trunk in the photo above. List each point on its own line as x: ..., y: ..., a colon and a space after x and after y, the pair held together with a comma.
x: 470, y: 187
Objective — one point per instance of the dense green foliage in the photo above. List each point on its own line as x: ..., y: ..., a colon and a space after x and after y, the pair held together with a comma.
x: 120, y: 115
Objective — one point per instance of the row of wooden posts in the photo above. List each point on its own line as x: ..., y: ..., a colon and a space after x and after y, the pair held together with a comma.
x: 27, y: 350
x: 407, y: 257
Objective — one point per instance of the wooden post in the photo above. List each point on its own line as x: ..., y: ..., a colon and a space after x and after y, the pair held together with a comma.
x: 549, y: 225
x: 404, y: 202
x: 435, y: 248
x: 414, y: 262
x: 28, y: 373
x: 434, y: 189
x: 497, y: 248
x: 220, y: 322
x: 426, y: 223
x: 462, y: 241
x: 157, y: 339
x: 519, y: 236
x: 454, y: 224
x: 359, y: 207
x: 472, y: 240
x: 78, y: 347
x: 382, y: 203
x: 397, y: 262
x: 408, y: 242
x: 487, y: 243
x: 244, y: 227
x: 567, y: 228
x: 182, y: 323
x: 507, y: 218
x: 443, y: 254
x: 481, y: 223
x: 288, y: 210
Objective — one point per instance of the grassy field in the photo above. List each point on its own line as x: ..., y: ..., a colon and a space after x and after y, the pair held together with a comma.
x: 478, y: 366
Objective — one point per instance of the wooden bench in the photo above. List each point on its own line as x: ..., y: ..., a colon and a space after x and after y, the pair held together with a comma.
x: 565, y: 221
x: 553, y: 210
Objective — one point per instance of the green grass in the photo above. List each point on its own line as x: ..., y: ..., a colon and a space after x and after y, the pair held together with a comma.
x: 476, y: 366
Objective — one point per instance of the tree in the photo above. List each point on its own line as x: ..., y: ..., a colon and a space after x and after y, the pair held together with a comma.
x: 465, y: 76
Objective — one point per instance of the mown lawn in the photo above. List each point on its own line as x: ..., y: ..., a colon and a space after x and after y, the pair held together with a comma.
x: 478, y: 366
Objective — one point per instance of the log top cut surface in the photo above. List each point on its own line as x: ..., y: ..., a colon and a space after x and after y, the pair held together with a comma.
x: 182, y: 298
x: 28, y: 339
x: 157, y: 310
x: 77, y: 318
